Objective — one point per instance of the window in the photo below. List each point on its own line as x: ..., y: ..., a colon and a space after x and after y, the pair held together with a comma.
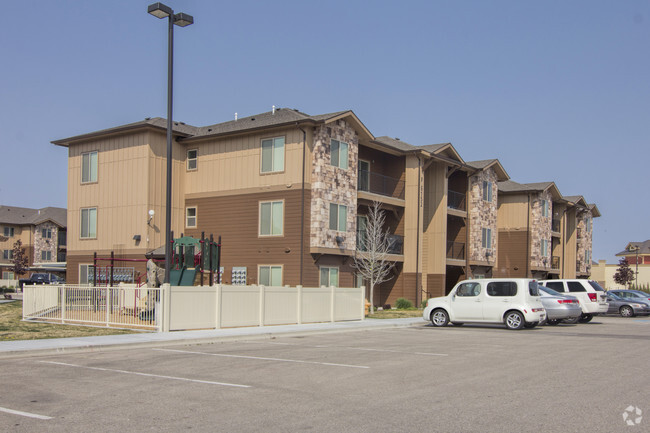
x: 46, y: 233
x: 46, y: 256
x: 575, y: 286
x: 487, y: 191
x: 271, y: 218
x: 329, y: 277
x: 486, y: 238
x: 89, y: 223
x: 339, y: 154
x: 9, y: 232
x: 272, y: 155
x: 362, y: 226
x: 545, y: 210
x: 544, y: 248
x: 558, y: 286
x: 190, y: 217
x: 270, y: 276
x: 192, y: 156
x: 468, y: 289
x: 533, y: 288
x: 502, y: 288
x: 338, y: 217
x: 588, y: 257
x: 86, y: 274
x: 596, y: 286
x: 89, y: 167
x: 588, y: 224
x: 7, y: 275
x: 363, y: 179
x: 7, y: 254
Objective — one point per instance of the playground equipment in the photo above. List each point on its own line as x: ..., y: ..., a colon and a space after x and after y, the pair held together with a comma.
x: 193, y: 257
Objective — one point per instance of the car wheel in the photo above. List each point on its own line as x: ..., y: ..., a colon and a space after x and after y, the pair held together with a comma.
x: 552, y: 322
x: 514, y: 320
x: 530, y: 325
x: 626, y: 311
x: 585, y: 318
x: 457, y: 323
x: 571, y: 321
x: 439, y: 317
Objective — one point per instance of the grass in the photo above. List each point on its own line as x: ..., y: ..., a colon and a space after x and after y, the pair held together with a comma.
x: 13, y: 328
x: 395, y: 314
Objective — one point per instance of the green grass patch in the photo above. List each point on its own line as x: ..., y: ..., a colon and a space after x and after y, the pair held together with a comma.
x: 395, y: 314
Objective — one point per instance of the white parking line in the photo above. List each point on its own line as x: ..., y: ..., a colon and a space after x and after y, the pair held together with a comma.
x: 21, y: 413
x: 321, y: 346
x: 225, y: 355
x: 146, y: 374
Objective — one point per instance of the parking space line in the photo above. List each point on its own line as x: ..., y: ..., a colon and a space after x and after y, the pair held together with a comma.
x: 27, y: 414
x: 184, y: 379
x: 260, y: 358
x: 321, y: 346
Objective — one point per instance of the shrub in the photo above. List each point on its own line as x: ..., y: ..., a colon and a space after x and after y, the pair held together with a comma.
x: 386, y: 307
x: 403, y: 304
x: 423, y: 304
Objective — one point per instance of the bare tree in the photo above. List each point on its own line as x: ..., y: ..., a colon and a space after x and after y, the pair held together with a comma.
x: 373, y: 248
x: 19, y: 259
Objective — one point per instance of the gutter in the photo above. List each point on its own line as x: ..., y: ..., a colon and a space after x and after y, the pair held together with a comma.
x: 302, y: 200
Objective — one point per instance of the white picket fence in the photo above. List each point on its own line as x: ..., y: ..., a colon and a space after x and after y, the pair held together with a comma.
x: 190, y: 307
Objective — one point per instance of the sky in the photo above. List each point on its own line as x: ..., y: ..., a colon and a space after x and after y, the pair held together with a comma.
x: 556, y: 90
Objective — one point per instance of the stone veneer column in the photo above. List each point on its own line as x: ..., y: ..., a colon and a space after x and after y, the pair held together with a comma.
x: 482, y: 214
x: 540, y: 228
x: 42, y: 244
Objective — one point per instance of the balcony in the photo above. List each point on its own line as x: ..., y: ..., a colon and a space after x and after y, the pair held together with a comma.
x: 376, y: 183
x: 555, y: 225
x: 455, y: 250
x: 395, y: 243
x: 555, y: 262
x: 578, y: 267
x: 456, y: 200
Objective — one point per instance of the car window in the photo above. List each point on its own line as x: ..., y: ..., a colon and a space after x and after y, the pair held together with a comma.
x: 641, y: 294
x: 575, y: 286
x: 468, y: 289
x: 549, y: 291
x: 533, y: 288
x: 555, y: 285
x: 624, y: 295
x: 502, y: 288
x: 613, y: 296
x: 596, y: 286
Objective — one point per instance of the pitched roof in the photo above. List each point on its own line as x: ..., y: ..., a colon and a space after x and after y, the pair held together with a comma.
x: 510, y: 186
x: 395, y: 143
x: 501, y: 173
x: 26, y: 216
x: 630, y: 249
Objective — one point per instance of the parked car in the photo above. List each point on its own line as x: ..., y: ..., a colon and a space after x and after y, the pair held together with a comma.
x: 559, y: 307
x: 641, y: 293
x: 627, y: 307
x: 41, y: 278
x: 591, y: 296
x: 514, y: 302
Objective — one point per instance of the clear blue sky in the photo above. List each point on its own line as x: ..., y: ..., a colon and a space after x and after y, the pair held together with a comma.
x: 557, y: 90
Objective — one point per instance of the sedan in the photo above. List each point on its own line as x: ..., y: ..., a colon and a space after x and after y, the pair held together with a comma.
x: 559, y: 307
x: 627, y: 307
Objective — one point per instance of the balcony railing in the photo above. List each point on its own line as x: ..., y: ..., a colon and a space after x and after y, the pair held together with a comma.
x: 578, y: 267
x: 456, y: 200
x: 555, y: 225
x: 455, y: 250
x: 395, y: 243
x: 555, y: 262
x: 379, y: 184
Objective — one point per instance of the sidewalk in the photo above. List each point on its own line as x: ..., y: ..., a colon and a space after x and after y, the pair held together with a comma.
x: 21, y: 348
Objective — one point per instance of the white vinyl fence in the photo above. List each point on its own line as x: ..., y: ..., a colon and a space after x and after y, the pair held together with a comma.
x: 191, y: 307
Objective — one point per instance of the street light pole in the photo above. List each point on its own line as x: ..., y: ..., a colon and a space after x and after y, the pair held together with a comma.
x: 160, y: 10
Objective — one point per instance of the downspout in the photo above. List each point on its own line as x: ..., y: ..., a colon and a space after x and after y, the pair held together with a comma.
x: 418, y: 285
x: 528, y: 234
x: 302, y: 200
x: 467, y: 227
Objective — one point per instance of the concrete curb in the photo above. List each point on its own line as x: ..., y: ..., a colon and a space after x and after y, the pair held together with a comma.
x: 35, y: 348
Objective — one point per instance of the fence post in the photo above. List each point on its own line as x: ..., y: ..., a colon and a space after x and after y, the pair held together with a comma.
x: 261, y: 313
x: 362, y: 291
x: 63, y: 304
x: 331, y: 303
x: 299, y: 304
x: 217, y: 318
x: 108, y: 304
x: 164, y: 322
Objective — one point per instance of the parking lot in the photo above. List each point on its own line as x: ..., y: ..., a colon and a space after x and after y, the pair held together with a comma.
x: 419, y: 378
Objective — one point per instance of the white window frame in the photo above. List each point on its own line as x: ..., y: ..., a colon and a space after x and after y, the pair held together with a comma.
x: 192, y: 162
x: 9, y: 231
x: 87, y: 266
x: 329, y: 276
x: 337, y: 162
x: 8, y: 275
x: 92, y: 166
x: 275, y: 147
x: 487, y: 191
x: 89, y: 235
x: 544, y: 248
x: 7, y: 254
x: 46, y: 233
x: 195, y: 216
x: 338, y: 227
x: 48, y: 256
x: 486, y: 238
x: 545, y: 208
x: 273, y: 203
x: 271, y: 268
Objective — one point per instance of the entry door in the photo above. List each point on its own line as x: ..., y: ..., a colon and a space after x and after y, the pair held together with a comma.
x: 362, y: 225
x: 467, y: 304
x: 363, y: 182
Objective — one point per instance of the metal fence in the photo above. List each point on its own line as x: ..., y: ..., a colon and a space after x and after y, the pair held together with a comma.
x: 456, y: 200
x: 119, y: 307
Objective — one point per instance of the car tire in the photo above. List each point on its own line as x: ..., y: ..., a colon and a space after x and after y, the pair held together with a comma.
x: 626, y: 311
x: 585, y: 318
x: 553, y: 322
x: 439, y: 317
x: 514, y: 320
x: 571, y: 321
x: 457, y: 323
x: 530, y: 325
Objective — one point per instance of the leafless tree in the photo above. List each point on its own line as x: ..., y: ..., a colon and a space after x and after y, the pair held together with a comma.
x: 373, y: 248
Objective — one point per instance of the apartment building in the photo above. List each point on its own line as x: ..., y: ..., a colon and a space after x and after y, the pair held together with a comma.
x: 43, y: 235
x: 636, y: 253
x: 288, y: 193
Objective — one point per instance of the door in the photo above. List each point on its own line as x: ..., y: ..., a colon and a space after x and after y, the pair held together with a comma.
x: 362, y: 225
x: 467, y: 302
x: 499, y: 299
x: 363, y: 182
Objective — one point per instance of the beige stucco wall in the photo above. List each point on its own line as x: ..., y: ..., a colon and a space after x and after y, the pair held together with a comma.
x: 604, y: 274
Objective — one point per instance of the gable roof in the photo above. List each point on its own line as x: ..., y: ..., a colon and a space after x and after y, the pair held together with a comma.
x: 644, y: 248
x: 512, y: 187
x: 495, y: 164
x: 26, y: 216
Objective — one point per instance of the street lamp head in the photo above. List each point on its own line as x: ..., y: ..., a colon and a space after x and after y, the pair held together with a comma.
x: 183, y: 20
x: 159, y: 10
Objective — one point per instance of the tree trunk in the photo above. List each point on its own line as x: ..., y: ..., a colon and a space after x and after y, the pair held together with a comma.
x: 371, y: 300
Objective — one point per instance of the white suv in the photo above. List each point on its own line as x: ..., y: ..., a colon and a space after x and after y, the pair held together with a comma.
x: 512, y: 301
x: 591, y: 296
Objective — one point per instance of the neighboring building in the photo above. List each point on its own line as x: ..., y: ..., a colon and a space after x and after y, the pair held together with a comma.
x: 288, y: 193
x: 604, y: 274
x: 43, y: 235
x: 636, y: 253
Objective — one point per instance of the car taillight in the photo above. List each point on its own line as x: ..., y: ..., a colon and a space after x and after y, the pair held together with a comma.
x: 593, y: 297
x: 537, y: 310
x: 566, y: 301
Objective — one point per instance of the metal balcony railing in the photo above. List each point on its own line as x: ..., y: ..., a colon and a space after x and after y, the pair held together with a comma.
x: 395, y: 243
x: 456, y: 200
x: 455, y: 250
x: 555, y: 262
x: 379, y: 184
x: 555, y: 225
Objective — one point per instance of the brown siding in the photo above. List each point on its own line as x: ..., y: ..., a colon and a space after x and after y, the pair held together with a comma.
x: 436, y: 285
x: 73, y: 262
x: 456, y: 230
x: 513, y: 253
